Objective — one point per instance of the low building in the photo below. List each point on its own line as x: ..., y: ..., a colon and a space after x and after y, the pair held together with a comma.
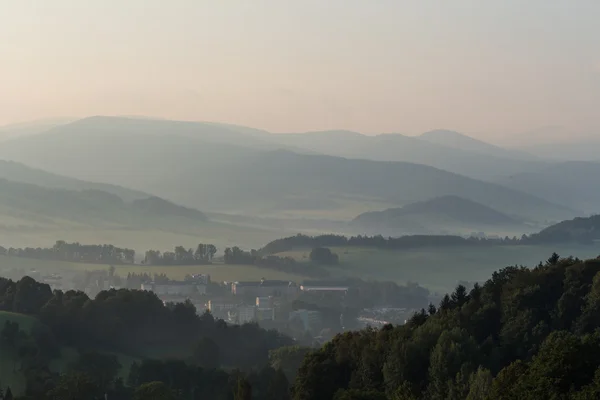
x: 265, y: 314
x: 324, y: 289
x: 200, y: 278
x: 175, y: 288
x: 220, y: 307
x: 265, y: 288
x: 265, y: 302
x: 242, y: 314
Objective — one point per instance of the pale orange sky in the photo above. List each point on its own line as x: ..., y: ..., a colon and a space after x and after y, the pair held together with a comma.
x: 484, y: 68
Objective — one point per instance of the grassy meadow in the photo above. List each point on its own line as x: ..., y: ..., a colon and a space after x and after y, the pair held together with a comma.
x: 439, y: 269
x: 218, y: 272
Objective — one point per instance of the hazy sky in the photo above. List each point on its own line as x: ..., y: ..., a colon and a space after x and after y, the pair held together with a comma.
x: 481, y: 67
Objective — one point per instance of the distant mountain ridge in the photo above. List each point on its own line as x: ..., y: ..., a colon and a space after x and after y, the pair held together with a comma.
x: 482, y: 161
x: 178, y: 162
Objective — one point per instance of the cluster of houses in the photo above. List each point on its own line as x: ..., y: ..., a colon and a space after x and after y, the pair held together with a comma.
x: 245, y: 301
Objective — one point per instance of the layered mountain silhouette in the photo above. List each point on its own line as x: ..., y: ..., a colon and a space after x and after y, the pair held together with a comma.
x: 215, y: 167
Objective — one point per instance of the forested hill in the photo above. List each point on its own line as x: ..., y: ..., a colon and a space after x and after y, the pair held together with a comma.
x: 443, y: 212
x: 578, y: 230
x: 524, y: 334
x: 582, y: 230
x: 306, y: 242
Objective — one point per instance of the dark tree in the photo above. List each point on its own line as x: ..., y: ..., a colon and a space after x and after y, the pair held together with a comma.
x: 323, y: 255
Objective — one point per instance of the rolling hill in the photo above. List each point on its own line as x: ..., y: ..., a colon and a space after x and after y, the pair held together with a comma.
x: 88, y: 206
x: 18, y: 172
x: 578, y: 230
x: 441, y: 214
x: 34, y: 216
x: 220, y: 177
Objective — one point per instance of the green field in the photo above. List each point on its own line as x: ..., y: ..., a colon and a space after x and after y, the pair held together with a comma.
x: 46, y: 233
x: 217, y: 272
x: 439, y: 269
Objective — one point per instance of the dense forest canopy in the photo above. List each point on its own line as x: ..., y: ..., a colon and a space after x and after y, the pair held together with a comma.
x: 524, y: 334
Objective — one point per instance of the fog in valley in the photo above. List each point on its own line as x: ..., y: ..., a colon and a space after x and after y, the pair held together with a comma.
x: 299, y: 200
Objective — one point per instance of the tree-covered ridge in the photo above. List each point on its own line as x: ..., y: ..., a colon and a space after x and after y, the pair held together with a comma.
x: 402, y: 242
x: 578, y: 230
x: 76, y: 252
x: 453, y: 210
x: 582, y: 230
x: 524, y: 334
x: 135, y: 322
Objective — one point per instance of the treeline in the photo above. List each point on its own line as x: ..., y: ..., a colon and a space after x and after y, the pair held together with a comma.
x: 579, y: 230
x: 524, y: 334
x: 110, y: 254
x: 235, y: 255
x: 134, y: 281
x: 203, y: 254
x: 97, y: 375
x: 402, y: 242
x: 75, y: 252
x: 136, y: 322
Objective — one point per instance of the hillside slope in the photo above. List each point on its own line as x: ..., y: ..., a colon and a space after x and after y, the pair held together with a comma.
x: 230, y: 178
x: 581, y: 230
x: 88, y: 206
x: 18, y: 172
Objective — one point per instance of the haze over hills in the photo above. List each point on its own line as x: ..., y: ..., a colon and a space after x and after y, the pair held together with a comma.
x: 175, y: 161
x: 14, y: 171
x: 463, y: 142
x: 580, y: 230
x: 442, y: 149
x: 431, y: 150
x: 31, y: 127
x: 87, y: 206
x: 441, y: 214
x: 575, y: 184
x: 37, y: 207
x: 585, y: 148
